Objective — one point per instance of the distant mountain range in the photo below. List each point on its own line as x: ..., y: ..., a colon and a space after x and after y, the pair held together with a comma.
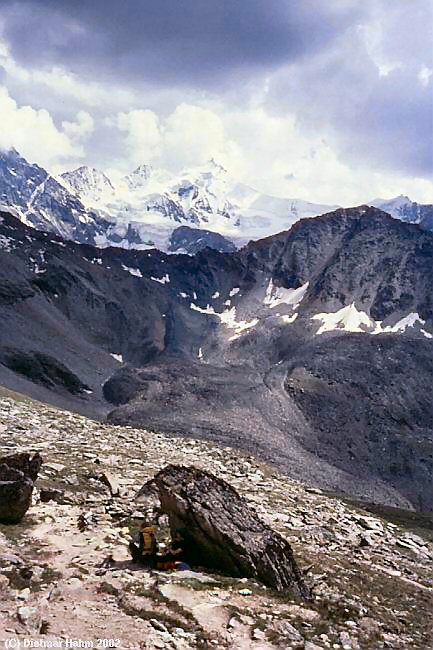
x: 145, y: 208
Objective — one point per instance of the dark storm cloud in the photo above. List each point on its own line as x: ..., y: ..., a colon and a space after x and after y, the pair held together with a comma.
x: 321, y: 60
x: 193, y: 42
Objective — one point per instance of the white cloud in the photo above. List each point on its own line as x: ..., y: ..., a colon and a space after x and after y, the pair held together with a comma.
x: 279, y: 159
x: 34, y: 134
x: 143, y: 134
x: 424, y: 75
x: 190, y: 135
x: 268, y: 152
x: 81, y: 128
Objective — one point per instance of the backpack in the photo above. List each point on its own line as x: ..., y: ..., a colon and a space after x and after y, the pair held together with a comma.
x: 149, y: 541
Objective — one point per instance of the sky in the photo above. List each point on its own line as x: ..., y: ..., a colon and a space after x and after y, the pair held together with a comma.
x: 326, y: 100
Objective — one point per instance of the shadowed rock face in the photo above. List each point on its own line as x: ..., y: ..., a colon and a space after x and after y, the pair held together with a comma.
x: 195, y: 346
x: 42, y: 369
x: 17, y: 476
x: 227, y: 535
x: 193, y: 240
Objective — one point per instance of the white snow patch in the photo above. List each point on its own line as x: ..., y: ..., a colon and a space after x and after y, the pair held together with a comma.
x: 242, y: 326
x: 132, y: 271
x: 118, y: 357
x: 348, y: 319
x: 408, y: 321
x: 216, y: 294
x: 275, y: 296
x: 200, y: 353
x: 228, y: 318
x: 163, y: 280
x: 183, y: 295
x: 289, y: 319
x: 207, y: 310
x: 234, y: 291
x: 228, y: 303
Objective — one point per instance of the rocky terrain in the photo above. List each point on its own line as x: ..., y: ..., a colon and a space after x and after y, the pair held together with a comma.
x: 370, y: 574
x: 311, y: 349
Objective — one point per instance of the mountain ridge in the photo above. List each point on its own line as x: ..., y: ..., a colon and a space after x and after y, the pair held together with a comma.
x: 144, y: 209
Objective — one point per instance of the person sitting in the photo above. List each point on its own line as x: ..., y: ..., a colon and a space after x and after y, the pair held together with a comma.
x: 179, y: 554
x: 145, y: 552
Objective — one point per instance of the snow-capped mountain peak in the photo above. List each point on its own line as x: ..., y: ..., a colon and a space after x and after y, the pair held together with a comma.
x: 139, y: 177
x: 90, y: 184
x: 145, y: 207
x: 394, y: 204
x: 401, y: 207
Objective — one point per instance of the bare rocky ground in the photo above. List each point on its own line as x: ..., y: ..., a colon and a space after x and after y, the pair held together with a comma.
x: 371, y: 578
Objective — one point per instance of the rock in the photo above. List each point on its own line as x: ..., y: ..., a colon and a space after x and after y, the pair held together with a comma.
x: 369, y: 625
x: 17, y: 475
x: 258, y: 634
x: 308, y: 615
x: 29, y: 466
x: 30, y: 617
x: 24, y: 594
x: 85, y: 520
x: 366, y: 539
x: 158, y: 625
x: 51, y: 494
x: 108, y: 588
x: 286, y: 630
x: 416, y: 539
x: 57, y: 467
x: 9, y: 558
x: 227, y: 534
x: 111, y: 481
x: 15, y: 495
x: 346, y: 641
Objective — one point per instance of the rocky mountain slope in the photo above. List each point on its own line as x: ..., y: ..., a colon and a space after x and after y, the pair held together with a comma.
x: 370, y: 574
x: 41, y: 201
x: 312, y: 349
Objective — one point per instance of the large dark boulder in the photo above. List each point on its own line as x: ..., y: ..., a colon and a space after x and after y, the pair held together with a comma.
x: 226, y: 533
x: 29, y: 465
x: 17, y: 475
